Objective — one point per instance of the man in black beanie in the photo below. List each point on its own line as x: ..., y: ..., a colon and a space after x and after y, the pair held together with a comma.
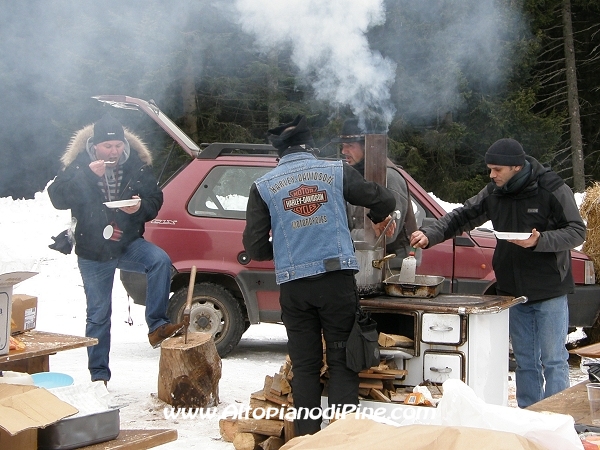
x: 526, y: 197
x: 104, y: 163
x: 301, y: 204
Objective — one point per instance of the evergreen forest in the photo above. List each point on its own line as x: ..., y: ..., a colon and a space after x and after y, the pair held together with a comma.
x: 446, y: 78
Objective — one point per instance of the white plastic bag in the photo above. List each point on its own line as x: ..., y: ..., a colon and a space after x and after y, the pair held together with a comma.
x: 461, y: 407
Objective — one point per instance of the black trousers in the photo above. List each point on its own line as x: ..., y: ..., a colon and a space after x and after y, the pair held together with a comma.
x: 309, y: 305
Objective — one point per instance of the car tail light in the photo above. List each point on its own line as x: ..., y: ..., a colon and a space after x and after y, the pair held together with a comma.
x: 589, y: 275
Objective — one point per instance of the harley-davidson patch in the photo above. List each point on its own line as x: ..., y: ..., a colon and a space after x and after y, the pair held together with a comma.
x: 305, y: 200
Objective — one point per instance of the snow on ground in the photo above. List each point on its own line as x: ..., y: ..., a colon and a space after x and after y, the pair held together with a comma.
x: 26, y: 229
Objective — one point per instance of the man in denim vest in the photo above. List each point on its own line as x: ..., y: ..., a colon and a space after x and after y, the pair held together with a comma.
x: 302, y: 205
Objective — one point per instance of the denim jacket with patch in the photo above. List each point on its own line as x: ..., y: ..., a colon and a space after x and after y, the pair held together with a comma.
x: 309, y: 226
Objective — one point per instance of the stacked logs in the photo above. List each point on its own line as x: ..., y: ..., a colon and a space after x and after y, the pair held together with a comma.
x: 264, y: 425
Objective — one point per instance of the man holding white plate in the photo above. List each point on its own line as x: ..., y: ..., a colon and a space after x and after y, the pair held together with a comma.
x: 108, y: 184
x: 537, y: 223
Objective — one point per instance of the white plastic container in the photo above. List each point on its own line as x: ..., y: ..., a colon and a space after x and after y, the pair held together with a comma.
x: 9, y: 377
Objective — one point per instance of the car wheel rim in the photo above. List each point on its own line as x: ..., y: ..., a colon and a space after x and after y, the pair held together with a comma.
x: 206, y: 317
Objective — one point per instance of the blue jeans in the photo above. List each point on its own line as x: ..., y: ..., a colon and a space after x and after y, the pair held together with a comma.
x: 98, y: 276
x: 538, y: 332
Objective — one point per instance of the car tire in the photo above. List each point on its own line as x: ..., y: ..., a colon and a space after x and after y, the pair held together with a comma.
x: 214, y: 310
x: 135, y: 285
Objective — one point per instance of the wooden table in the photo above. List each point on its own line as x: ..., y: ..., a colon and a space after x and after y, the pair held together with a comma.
x: 36, y: 358
x: 39, y: 345
x: 136, y: 440
x: 572, y: 401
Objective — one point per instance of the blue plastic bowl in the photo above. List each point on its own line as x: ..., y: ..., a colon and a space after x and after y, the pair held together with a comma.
x: 51, y: 379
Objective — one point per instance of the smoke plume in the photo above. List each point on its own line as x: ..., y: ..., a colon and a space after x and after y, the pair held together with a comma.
x: 329, y: 46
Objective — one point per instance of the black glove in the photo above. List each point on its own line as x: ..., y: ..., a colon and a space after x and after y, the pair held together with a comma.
x: 62, y: 243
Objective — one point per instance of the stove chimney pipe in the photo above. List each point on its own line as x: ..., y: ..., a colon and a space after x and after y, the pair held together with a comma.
x: 375, y: 170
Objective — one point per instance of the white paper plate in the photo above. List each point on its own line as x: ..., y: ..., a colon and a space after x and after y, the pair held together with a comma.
x: 511, y: 235
x: 123, y: 203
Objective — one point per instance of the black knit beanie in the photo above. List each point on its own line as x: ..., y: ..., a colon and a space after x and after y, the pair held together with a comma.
x: 108, y: 129
x: 505, y: 152
x: 291, y: 134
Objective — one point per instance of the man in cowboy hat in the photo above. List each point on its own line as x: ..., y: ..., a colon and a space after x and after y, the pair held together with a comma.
x: 352, y: 140
x: 296, y: 216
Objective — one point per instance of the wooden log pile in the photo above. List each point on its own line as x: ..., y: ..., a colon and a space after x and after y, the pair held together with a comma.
x: 265, y: 426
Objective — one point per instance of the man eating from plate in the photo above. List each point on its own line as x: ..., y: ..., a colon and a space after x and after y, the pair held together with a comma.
x: 103, y: 165
x: 525, y: 197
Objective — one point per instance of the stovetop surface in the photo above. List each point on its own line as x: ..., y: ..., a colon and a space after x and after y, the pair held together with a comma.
x: 444, y: 303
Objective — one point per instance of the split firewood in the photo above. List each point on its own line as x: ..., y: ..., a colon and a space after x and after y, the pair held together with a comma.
x: 371, y: 384
x: 394, y: 340
x: 376, y: 394
x: 324, y: 371
x: 279, y: 399
x: 261, y: 426
x: 280, y: 385
x: 286, y: 368
x: 257, y: 406
x: 228, y: 428
x: 258, y: 395
x: 388, y: 385
x: 376, y: 376
x: 272, y: 443
x: 396, y: 372
x: 364, y: 392
x: 289, y: 430
x: 247, y: 441
x: 388, y: 364
x: 434, y: 388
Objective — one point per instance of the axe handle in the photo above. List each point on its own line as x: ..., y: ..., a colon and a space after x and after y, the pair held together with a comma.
x: 190, y: 293
x: 188, y: 304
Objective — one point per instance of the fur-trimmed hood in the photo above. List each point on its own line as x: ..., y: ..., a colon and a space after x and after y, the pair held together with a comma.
x: 78, y: 143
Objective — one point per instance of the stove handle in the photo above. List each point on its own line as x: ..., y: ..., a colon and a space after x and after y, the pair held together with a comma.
x: 441, y: 370
x: 441, y: 328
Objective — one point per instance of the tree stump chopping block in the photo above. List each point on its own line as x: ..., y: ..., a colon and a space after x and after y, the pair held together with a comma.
x: 189, y: 374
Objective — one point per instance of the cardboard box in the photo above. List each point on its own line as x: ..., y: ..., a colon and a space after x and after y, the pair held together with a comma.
x: 23, y: 313
x: 24, y: 409
x: 7, y: 281
x: 25, y: 440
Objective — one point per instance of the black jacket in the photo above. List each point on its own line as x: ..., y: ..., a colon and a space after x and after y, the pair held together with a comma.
x: 545, y: 203
x: 76, y: 188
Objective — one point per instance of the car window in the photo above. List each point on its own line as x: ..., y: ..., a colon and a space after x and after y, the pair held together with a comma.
x: 420, y: 211
x: 224, y: 192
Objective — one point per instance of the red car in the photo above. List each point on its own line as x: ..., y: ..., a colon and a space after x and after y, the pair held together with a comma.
x: 203, y: 218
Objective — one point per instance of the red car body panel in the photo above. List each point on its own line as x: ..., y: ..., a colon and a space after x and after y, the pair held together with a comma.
x: 210, y: 238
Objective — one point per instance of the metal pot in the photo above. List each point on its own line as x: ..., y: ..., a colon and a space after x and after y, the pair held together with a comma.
x: 370, y: 262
